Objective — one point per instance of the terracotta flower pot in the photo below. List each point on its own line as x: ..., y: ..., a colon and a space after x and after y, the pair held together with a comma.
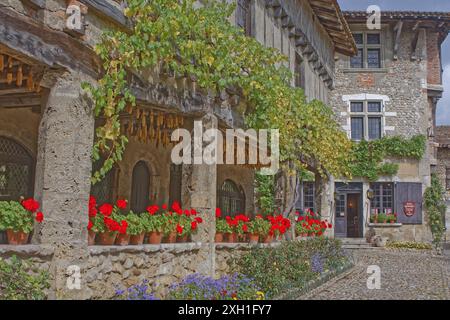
x: 219, y: 237
x: 253, y: 238
x: 155, y: 237
x: 268, y: 239
x: 137, y: 240
x: 17, y: 238
x: 122, y: 239
x: 107, y: 238
x: 171, y: 238
x: 91, y: 237
x: 232, y: 237
x: 182, y: 239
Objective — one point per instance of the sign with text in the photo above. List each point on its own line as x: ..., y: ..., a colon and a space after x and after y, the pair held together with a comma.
x: 409, y: 208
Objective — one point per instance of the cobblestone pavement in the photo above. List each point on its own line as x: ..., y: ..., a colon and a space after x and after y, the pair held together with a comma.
x: 405, y: 275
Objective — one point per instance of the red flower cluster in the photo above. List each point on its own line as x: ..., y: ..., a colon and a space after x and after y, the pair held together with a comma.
x: 92, y: 207
x: 280, y: 224
x: 312, y: 225
x: 106, y: 209
x: 152, y: 210
x: 122, y: 204
x: 234, y: 222
x: 32, y: 206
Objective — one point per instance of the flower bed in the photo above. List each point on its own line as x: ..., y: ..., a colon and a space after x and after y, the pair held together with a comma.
x: 114, y: 225
x: 17, y: 219
x: 291, y: 265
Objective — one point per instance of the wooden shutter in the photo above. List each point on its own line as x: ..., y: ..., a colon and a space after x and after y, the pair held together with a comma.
x: 408, y: 192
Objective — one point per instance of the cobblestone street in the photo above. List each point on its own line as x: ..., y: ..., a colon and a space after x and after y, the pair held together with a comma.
x: 405, y: 274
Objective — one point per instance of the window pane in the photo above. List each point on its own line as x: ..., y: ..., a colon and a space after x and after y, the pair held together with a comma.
x: 357, y: 61
x: 374, y: 107
x: 373, y: 58
x: 356, y: 107
x: 374, y: 128
x: 358, y: 38
x: 357, y: 128
x: 373, y: 38
x: 308, y: 195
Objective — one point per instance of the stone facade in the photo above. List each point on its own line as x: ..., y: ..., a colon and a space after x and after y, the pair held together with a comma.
x: 443, y: 167
x: 408, y: 84
x: 53, y: 120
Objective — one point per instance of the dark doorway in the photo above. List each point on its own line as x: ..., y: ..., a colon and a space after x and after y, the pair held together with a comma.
x: 353, y: 216
x: 140, y: 189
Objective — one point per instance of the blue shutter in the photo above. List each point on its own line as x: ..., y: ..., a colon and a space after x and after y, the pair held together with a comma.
x: 409, y: 192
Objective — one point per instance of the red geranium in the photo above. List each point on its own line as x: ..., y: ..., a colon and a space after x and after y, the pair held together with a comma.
x: 179, y: 229
x: 39, y: 217
x: 199, y: 220
x: 194, y: 225
x: 123, y: 227
x: 152, y: 209
x: 122, y: 204
x: 90, y: 225
x: 218, y: 213
x: 164, y: 206
x: 106, y: 209
x: 193, y: 212
x: 30, y: 205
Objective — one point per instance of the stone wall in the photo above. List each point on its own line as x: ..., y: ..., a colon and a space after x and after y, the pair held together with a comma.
x: 114, y: 268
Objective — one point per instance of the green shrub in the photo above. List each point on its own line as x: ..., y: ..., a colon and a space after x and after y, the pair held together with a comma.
x: 17, y: 284
x: 292, y: 265
x: 434, y: 200
x: 409, y: 245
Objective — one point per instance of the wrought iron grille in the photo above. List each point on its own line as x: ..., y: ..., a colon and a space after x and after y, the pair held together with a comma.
x: 103, y: 191
x: 231, y: 199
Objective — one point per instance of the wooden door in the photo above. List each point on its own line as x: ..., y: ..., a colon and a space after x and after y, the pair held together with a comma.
x: 353, y: 216
x: 140, y: 189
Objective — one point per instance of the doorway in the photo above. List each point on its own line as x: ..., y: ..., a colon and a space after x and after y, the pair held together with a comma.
x: 349, y: 211
x: 353, y: 216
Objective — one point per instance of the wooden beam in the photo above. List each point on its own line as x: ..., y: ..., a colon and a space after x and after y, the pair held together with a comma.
x: 45, y: 46
x: 109, y: 11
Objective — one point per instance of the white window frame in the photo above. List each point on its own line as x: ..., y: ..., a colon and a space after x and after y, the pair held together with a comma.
x: 365, y: 114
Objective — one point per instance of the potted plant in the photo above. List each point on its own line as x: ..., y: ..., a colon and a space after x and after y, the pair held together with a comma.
x: 373, y: 218
x: 170, y: 228
x: 391, y: 218
x: 109, y: 223
x: 222, y: 228
x: 154, y: 227
x: 136, y: 228
x: 259, y: 226
x: 301, y: 229
x: 16, y: 218
x: 382, y: 218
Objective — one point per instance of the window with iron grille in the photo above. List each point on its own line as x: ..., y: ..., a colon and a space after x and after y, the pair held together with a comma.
x: 366, y: 120
x: 231, y: 199
x: 383, y: 200
x: 244, y: 16
x: 369, y: 51
x: 16, y: 173
x: 447, y: 178
x: 103, y: 190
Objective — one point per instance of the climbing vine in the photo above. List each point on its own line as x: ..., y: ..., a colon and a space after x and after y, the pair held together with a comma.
x: 434, y: 200
x: 199, y: 42
x: 265, y: 192
x: 369, y: 156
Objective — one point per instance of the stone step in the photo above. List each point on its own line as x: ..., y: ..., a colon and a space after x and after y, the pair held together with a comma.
x: 357, y: 247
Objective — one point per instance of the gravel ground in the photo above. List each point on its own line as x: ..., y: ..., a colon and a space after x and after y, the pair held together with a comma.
x: 405, y: 275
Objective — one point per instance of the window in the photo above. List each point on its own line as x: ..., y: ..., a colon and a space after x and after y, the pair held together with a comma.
x: 231, y: 199
x: 383, y: 201
x: 369, y: 51
x: 16, y: 173
x: 299, y: 72
x: 244, y: 16
x: 175, y: 183
x: 308, y: 195
x: 366, y: 120
x: 140, y: 188
x: 103, y: 190
x: 447, y: 178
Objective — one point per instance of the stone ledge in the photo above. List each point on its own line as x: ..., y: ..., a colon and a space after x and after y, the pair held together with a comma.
x: 248, y: 246
x: 28, y: 250
x: 147, y: 248
x: 385, y: 225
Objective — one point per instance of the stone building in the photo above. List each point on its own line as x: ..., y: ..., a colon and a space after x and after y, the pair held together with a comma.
x: 442, y: 170
x: 390, y: 88
x: 47, y: 131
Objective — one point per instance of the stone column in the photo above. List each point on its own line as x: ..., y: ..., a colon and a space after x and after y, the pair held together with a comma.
x: 325, y: 201
x: 199, y: 193
x: 63, y: 174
